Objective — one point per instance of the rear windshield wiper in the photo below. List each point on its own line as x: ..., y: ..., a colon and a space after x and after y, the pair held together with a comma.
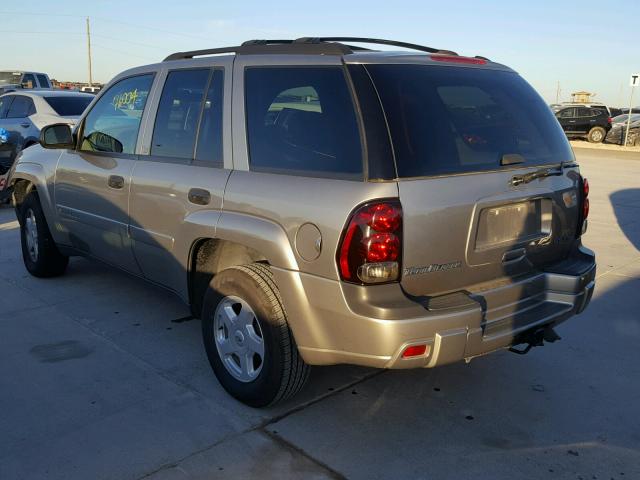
x: 529, y: 177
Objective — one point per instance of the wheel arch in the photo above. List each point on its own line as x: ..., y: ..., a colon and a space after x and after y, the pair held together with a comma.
x: 231, y: 239
x: 207, y: 257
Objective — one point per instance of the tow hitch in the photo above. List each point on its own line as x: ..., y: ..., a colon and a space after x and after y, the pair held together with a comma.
x: 534, y: 338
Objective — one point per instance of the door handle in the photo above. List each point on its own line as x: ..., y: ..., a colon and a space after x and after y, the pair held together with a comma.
x: 513, y: 256
x: 116, y: 181
x: 199, y: 196
x: 25, y: 125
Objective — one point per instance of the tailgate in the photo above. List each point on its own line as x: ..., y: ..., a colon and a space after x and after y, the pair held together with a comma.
x: 482, y: 171
x: 465, y: 230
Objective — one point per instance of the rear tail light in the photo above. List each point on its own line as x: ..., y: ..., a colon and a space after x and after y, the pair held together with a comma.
x: 371, y: 247
x: 585, y: 206
x: 609, y: 120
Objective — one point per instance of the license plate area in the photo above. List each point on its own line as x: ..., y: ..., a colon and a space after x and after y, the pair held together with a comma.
x: 513, y: 224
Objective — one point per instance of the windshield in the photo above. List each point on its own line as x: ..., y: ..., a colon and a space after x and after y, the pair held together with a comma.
x: 9, y: 78
x: 447, y: 120
x: 69, y: 106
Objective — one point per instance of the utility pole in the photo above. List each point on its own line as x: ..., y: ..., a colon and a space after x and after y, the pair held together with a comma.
x: 89, y: 51
x: 558, y: 93
x: 635, y: 81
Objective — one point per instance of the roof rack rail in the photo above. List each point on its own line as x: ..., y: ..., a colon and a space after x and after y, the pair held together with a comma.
x: 304, y: 45
x: 256, y: 47
x: 374, y: 41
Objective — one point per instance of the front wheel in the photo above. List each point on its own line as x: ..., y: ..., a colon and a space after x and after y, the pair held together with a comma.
x: 596, y: 135
x: 39, y: 252
x: 247, y: 337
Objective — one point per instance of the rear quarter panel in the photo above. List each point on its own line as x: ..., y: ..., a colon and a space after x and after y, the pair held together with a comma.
x: 292, y: 201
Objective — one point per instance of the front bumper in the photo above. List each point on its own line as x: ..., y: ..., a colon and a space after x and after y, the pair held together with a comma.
x: 371, y: 326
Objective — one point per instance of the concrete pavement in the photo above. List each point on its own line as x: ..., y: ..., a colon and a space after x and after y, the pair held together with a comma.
x: 103, y: 376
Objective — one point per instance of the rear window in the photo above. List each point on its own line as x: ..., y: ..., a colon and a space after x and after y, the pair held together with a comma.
x: 302, y: 121
x: 44, y: 83
x: 446, y: 120
x: 68, y: 106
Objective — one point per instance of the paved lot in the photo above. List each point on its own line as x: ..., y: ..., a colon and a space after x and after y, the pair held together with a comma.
x: 102, y: 377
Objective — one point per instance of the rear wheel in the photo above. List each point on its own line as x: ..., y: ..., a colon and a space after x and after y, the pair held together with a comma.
x: 596, y: 135
x: 39, y: 252
x: 248, y: 341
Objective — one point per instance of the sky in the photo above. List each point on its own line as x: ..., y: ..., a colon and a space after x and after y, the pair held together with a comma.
x: 583, y: 45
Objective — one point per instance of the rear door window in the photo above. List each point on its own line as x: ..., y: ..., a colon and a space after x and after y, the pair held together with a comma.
x: 5, y: 102
x: 21, y: 107
x: 42, y: 80
x: 302, y: 121
x: 446, y: 120
x: 113, y: 123
x: 209, y: 149
x: 178, y: 116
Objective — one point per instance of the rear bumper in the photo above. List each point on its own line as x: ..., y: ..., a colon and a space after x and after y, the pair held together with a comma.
x: 338, y: 323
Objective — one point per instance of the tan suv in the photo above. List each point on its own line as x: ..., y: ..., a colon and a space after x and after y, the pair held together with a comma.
x: 319, y: 203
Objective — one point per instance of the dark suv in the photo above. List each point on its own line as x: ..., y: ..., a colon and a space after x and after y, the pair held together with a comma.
x: 586, y: 122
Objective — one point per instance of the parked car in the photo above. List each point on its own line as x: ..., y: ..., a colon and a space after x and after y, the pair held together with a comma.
x: 437, y: 221
x: 24, y: 113
x: 624, y: 118
x: 618, y: 132
x: 556, y: 107
x: 11, y: 80
x: 590, y: 123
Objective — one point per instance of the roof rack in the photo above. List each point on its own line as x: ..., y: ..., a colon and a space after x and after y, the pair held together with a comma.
x: 304, y: 45
x: 374, y: 41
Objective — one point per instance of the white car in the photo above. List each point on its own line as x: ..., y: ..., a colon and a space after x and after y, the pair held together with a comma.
x: 24, y: 113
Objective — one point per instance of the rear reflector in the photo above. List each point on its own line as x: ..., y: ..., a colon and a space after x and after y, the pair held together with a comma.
x: 414, y: 351
x: 456, y: 59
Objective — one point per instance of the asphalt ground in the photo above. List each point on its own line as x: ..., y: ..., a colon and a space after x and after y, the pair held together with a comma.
x: 105, y: 377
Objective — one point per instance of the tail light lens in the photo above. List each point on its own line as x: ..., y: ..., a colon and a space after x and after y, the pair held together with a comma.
x: 609, y: 120
x: 585, y: 198
x: 585, y: 206
x: 371, y: 247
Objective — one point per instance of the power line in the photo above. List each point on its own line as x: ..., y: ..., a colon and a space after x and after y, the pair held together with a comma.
x: 106, y: 37
x: 122, y: 52
x: 107, y: 19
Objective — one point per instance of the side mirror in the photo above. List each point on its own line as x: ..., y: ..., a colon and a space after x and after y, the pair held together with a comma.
x: 57, y: 135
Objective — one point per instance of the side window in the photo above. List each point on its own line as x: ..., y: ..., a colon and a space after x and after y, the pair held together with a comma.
x: 42, y: 80
x: 301, y: 120
x: 21, y: 107
x: 566, y: 113
x: 174, y: 133
x: 584, y: 112
x: 29, y: 81
x: 112, y: 124
x: 210, y: 137
x: 4, y: 105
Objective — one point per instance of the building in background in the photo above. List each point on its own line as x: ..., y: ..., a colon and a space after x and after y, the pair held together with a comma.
x: 582, y: 97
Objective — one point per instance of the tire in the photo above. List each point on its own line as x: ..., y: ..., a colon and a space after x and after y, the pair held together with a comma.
x: 260, y: 322
x: 596, y: 135
x: 39, y: 252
